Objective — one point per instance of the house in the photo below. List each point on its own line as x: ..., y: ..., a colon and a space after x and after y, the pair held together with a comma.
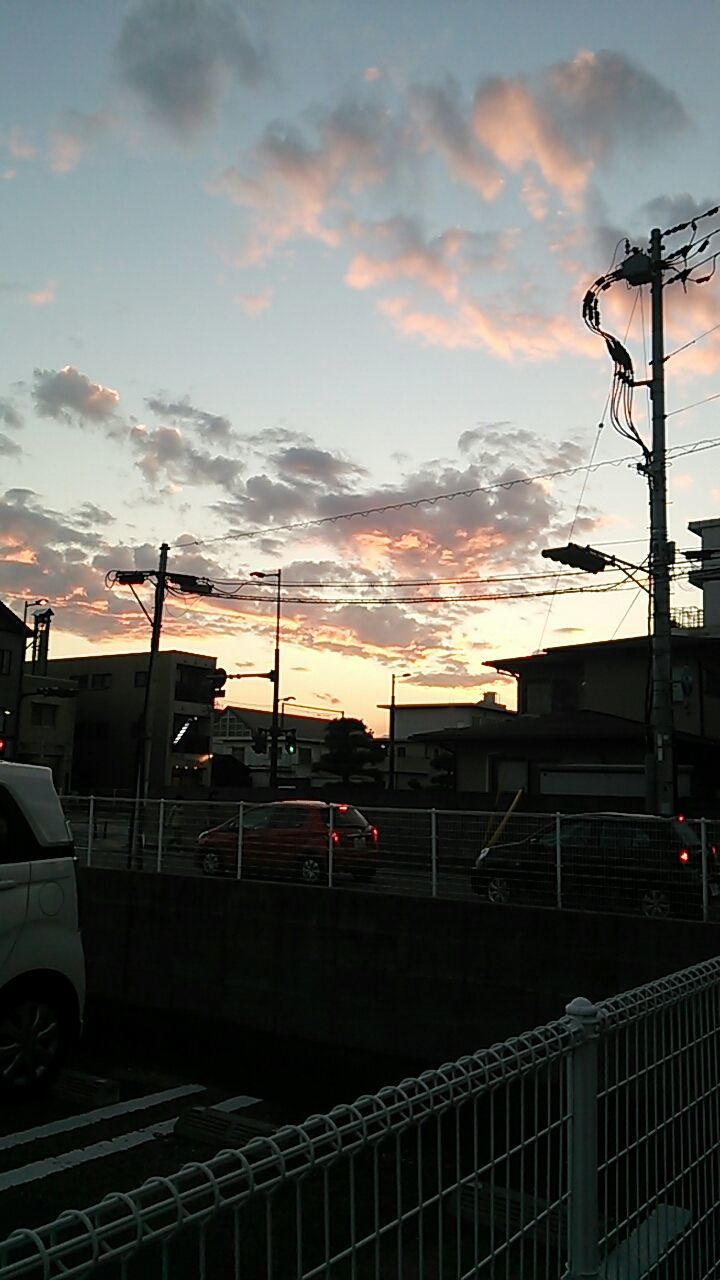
x: 575, y: 759
x: 236, y: 730
x: 419, y: 763
x: 111, y: 691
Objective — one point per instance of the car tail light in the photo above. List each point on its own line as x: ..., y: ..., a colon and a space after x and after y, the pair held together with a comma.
x: 374, y: 834
x: 335, y: 838
x: 713, y: 850
x: 684, y: 855
x: 343, y: 808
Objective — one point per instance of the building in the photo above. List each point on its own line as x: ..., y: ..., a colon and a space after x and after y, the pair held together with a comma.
x: 423, y: 764
x: 111, y: 691
x: 235, y: 729
x: 14, y: 636
x: 47, y: 725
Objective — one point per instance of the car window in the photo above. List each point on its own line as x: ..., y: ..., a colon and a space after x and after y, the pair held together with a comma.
x: 344, y: 815
x: 256, y: 819
x: 17, y: 842
x: 287, y: 818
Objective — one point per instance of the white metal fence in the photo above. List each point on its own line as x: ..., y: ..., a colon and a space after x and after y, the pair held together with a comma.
x: 587, y: 1149
x: 617, y: 862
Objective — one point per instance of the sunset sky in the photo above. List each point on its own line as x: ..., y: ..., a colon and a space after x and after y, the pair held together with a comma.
x: 270, y: 263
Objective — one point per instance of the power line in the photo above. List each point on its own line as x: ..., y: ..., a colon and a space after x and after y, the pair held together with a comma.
x: 698, y: 447
x: 691, y: 343
x: 429, y: 582
x: 695, y: 404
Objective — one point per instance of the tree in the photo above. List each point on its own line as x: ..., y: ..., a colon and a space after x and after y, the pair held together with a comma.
x: 351, y: 751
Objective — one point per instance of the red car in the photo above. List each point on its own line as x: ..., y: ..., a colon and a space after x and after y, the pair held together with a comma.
x: 292, y: 838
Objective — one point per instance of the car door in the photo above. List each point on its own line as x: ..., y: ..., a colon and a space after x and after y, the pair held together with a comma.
x: 14, y: 876
x: 287, y: 835
x: 581, y: 872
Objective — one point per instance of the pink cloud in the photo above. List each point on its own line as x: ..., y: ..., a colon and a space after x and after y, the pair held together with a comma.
x: 75, y: 136
x: 43, y: 297
x: 254, y: 303
x: 17, y: 144
x: 530, y: 335
x: 510, y: 123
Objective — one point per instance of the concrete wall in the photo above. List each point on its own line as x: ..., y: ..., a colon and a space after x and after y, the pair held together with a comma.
x: 379, y: 974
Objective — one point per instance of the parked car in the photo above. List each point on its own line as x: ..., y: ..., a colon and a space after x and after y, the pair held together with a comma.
x: 292, y: 838
x: 42, y: 967
x: 650, y: 865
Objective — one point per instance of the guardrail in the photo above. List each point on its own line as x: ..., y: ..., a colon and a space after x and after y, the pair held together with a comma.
x: 619, y: 862
x: 587, y: 1148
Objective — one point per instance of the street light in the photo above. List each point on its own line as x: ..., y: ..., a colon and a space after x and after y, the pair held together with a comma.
x: 290, y: 698
x: 275, y: 730
x: 391, y: 738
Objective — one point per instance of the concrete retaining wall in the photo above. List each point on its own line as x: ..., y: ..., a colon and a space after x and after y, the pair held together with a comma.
x: 389, y: 975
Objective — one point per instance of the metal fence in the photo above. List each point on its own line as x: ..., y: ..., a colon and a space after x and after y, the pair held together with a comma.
x: 617, y: 862
x: 587, y: 1148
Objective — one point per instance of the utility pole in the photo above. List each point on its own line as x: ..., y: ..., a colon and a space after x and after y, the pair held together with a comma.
x: 142, y: 773
x: 275, y: 743
x: 639, y: 269
x: 149, y: 700
x: 662, y: 704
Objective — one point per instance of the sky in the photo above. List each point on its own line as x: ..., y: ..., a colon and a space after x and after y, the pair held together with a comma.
x: 266, y: 265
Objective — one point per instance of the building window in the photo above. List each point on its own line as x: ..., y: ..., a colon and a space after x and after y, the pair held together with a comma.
x: 5, y: 662
x: 140, y: 679
x: 81, y: 681
x: 102, y: 680
x: 44, y: 714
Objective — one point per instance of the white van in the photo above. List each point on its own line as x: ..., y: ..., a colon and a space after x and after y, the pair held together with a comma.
x: 42, y: 966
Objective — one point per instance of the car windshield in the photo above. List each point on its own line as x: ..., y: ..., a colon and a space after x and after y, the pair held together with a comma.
x: 257, y: 817
x: 344, y: 815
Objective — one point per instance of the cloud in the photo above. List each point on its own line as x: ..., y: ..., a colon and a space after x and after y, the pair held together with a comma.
x: 296, y: 188
x: 179, y: 57
x: 9, y: 415
x: 43, y: 297
x: 212, y: 426
x: 573, y: 117
x: 443, y: 123
x: 315, y: 464
x: 163, y: 452
x: 527, y: 333
x: 254, y: 303
x: 15, y: 142
x: 75, y: 135
x: 444, y: 264
x: 8, y: 447
x: 71, y: 397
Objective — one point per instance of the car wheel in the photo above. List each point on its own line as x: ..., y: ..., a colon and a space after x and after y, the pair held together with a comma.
x: 498, y: 890
x: 311, y: 869
x: 34, y: 1037
x: 211, y: 863
x: 655, y: 903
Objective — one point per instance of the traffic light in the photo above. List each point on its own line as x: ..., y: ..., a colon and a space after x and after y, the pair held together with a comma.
x: 291, y: 742
x: 577, y: 557
x: 259, y: 741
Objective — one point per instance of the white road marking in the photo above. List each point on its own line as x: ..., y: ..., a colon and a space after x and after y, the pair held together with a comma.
x: 236, y: 1104
x: 109, y: 1147
x: 85, y: 1118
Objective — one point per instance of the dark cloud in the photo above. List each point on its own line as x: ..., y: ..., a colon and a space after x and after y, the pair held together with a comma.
x: 444, y: 123
x: 90, y: 515
x: 316, y: 465
x: 163, y: 453
x: 178, y: 57
x: 669, y: 210
x: 9, y: 415
x: 602, y: 101
x: 71, y: 397
x: 8, y: 447
x: 212, y: 426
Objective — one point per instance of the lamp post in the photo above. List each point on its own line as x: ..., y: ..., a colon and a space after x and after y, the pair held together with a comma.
x: 290, y: 698
x: 391, y: 737
x: 275, y: 730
